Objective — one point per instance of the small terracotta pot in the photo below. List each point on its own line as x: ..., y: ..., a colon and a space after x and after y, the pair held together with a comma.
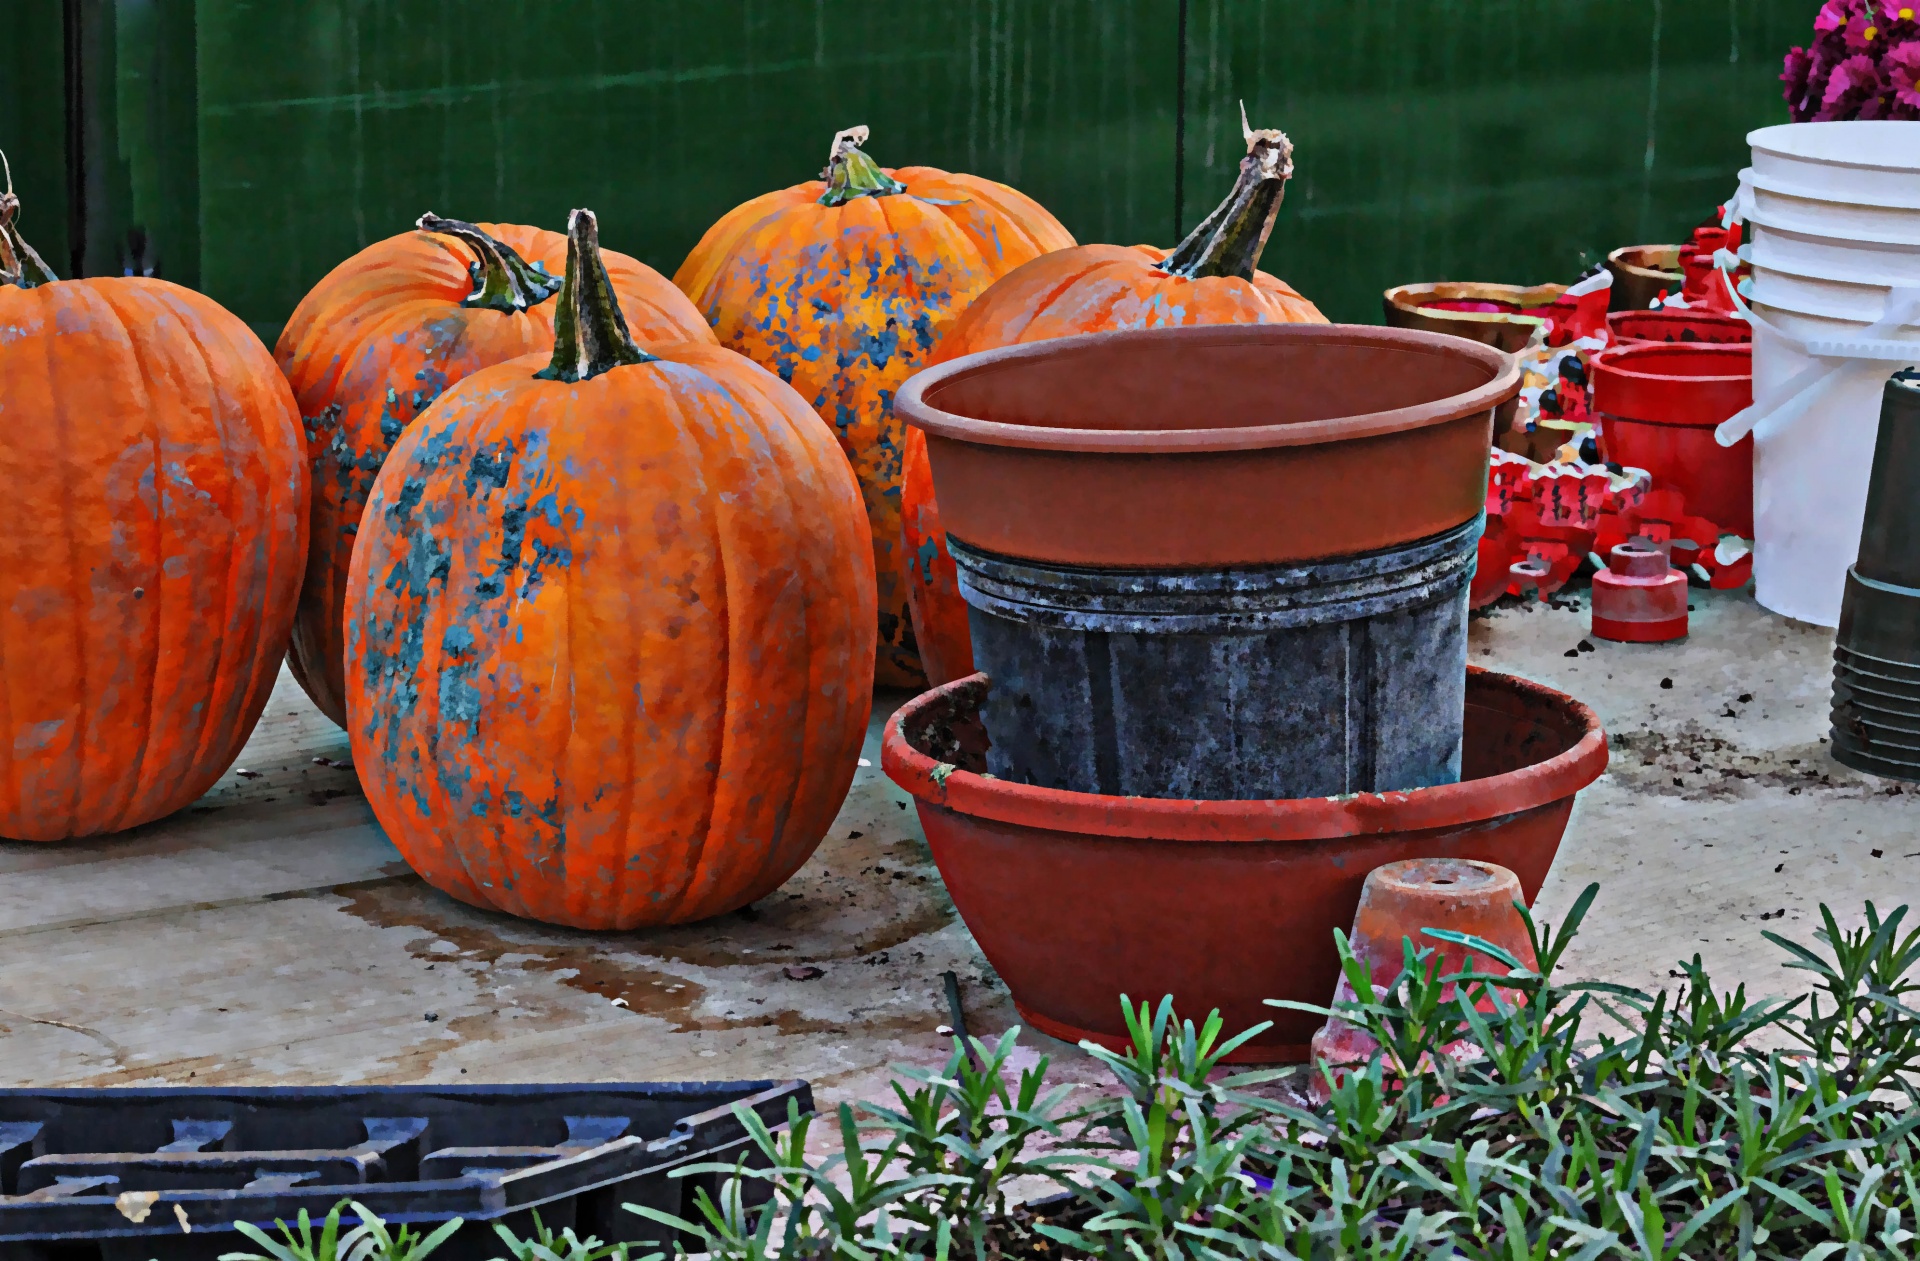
x: 1212, y: 446
x: 1508, y: 329
x: 1642, y: 273
x: 1077, y: 898
x: 1399, y: 902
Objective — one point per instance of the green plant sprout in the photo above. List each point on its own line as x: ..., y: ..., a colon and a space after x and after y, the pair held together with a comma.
x: 1591, y: 1121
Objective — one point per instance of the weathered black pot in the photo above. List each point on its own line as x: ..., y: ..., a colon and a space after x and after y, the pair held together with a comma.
x: 1876, y: 654
x: 1302, y: 680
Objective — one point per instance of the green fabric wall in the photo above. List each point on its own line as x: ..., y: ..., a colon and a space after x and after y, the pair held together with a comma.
x: 33, y: 123
x: 1436, y: 139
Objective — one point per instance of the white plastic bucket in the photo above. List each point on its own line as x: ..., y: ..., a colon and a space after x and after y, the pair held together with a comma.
x: 1875, y: 162
x: 1821, y: 296
x: 1810, y: 476
x: 1834, y: 210
x: 1828, y: 216
x: 1833, y: 258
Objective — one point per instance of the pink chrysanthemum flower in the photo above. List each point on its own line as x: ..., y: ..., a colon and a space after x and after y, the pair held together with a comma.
x: 1794, y: 74
x: 1866, y: 30
x: 1901, y: 67
x: 1853, y: 83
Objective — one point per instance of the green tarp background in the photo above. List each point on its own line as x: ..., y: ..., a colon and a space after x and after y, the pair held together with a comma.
x: 259, y: 142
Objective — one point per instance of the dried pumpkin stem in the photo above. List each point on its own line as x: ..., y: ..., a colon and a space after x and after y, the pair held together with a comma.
x: 19, y: 264
x: 589, y: 333
x: 1228, y: 241
x: 851, y: 173
x: 502, y: 280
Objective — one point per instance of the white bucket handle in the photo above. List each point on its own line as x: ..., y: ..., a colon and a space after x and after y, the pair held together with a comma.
x: 1741, y: 203
x: 1873, y: 352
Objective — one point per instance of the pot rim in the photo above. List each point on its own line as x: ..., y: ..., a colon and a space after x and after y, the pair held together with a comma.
x: 1409, y: 297
x: 1637, y: 361
x: 1618, y: 259
x: 1502, y: 383
x: 1681, y: 315
x: 1558, y: 778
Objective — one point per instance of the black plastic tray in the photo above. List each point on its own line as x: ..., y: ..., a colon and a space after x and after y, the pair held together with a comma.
x: 420, y: 1154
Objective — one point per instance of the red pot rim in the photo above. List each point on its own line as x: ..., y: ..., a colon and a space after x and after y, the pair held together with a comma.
x: 1619, y: 321
x: 1503, y: 381
x: 1673, y: 383
x: 1298, y: 819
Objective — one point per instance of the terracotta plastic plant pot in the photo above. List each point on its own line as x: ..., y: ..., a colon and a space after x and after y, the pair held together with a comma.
x: 1640, y: 327
x: 1144, y: 523
x: 1659, y: 405
x: 1076, y: 898
x: 1642, y: 273
x: 1213, y: 446
x: 1502, y: 316
x: 1398, y: 903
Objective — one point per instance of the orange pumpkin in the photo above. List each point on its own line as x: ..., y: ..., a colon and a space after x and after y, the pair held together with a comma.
x: 842, y: 285
x: 153, y: 527
x: 609, y: 630
x: 1210, y: 278
x: 380, y: 337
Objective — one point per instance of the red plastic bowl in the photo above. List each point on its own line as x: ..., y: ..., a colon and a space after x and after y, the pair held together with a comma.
x: 1077, y: 899
x: 1659, y: 406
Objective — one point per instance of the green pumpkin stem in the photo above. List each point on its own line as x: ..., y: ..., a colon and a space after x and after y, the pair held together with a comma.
x: 502, y: 280
x: 589, y: 333
x: 851, y: 173
x: 1228, y: 241
x: 19, y: 264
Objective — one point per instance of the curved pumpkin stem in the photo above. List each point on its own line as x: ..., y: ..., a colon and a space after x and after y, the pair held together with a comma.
x: 589, y: 333
x: 19, y: 264
x: 502, y: 280
x: 851, y: 173
x: 1228, y: 241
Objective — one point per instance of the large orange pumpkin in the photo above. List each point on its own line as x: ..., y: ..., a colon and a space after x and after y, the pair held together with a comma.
x: 153, y: 526
x: 842, y: 285
x: 1210, y: 278
x: 381, y: 336
x: 609, y: 628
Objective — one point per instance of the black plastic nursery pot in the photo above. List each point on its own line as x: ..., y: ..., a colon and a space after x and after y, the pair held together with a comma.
x: 1876, y: 653
x: 1301, y: 680
x: 165, y: 1174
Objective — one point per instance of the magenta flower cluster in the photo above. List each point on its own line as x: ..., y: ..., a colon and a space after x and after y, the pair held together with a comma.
x: 1864, y: 63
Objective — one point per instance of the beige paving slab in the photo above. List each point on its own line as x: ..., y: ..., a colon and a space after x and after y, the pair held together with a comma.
x: 270, y: 934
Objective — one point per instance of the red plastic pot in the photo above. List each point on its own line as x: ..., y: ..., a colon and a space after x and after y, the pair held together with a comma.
x: 1212, y: 446
x: 1639, y: 327
x: 1659, y: 405
x: 1077, y: 899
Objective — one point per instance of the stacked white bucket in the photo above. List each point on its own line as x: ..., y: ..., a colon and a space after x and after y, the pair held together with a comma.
x: 1833, y: 215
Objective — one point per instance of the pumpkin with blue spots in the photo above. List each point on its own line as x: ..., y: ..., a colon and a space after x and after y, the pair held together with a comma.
x: 843, y: 285
x: 1210, y: 278
x: 610, y: 640
x: 378, y: 340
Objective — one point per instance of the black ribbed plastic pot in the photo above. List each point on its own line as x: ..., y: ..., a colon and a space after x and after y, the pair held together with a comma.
x: 1303, y: 680
x: 1876, y: 655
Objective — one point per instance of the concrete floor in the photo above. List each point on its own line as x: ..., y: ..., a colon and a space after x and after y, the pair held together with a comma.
x: 270, y: 934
